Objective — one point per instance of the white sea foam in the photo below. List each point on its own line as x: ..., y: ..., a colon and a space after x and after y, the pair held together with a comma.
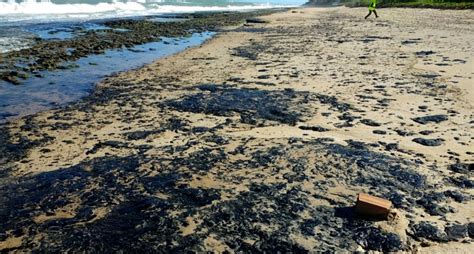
x: 51, y: 8
x: 13, y: 43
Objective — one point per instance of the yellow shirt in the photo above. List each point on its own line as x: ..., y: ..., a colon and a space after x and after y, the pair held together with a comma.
x: 372, y: 5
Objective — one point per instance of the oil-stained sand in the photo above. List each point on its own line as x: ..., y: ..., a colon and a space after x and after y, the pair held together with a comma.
x: 259, y: 140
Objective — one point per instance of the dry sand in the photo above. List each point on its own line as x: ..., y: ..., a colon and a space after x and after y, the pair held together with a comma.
x: 263, y: 132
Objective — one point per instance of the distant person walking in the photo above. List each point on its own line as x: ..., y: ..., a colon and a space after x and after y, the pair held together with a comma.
x: 372, y: 5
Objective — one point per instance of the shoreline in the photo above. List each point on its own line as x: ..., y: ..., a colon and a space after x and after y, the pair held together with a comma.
x: 44, y: 54
x: 257, y: 140
x: 61, y: 87
x: 40, y: 75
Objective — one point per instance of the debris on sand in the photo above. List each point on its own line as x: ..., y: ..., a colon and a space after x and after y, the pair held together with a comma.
x: 431, y: 118
x: 372, y: 206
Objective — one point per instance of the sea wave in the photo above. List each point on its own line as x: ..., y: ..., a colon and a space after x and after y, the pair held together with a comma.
x: 14, y: 43
x: 51, y: 8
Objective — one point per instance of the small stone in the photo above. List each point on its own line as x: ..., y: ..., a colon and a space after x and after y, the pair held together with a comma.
x: 12, y: 80
x: 470, y: 229
x: 463, y: 168
x: 426, y: 132
x: 432, y: 118
x: 428, y: 142
x: 370, y: 122
x: 371, y: 238
x: 256, y: 20
x: 456, y: 232
x: 391, y: 146
x: 428, y: 231
x: 314, y: 128
x: 404, y: 133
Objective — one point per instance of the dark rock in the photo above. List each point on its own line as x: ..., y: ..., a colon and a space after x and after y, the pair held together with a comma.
x: 462, y: 182
x: 379, y: 132
x: 359, y: 145
x: 260, y: 83
x: 426, y: 132
x: 308, y: 226
x: 347, y: 117
x: 431, y: 118
x: 256, y: 20
x: 470, y: 229
x: 412, y: 41
x: 249, y: 52
x: 424, y: 53
x: 409, y: 177
x: 314, y: 128
x: 197, y: 197
x: 374, y: 239
x: 428, y: 142
x: 370, y: 122
x: 456, y: 196
x: 263, y: 77
x: 404, y: 133
x: 463, y: 168
x: 11, y: 79
x: 334, y: 102
x: 108, y: 143
x: 200, y: 129
x: 432, y: 208
x: 137, y: 135
x: 456, y: 232
x: 235, y: 79
x: 428, y: 231
x: 391, y: 146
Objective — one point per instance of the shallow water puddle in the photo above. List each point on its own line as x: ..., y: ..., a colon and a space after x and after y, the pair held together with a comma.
x: 78, y: 78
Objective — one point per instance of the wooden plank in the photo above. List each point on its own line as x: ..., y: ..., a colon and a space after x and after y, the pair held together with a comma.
x: 369, y: 205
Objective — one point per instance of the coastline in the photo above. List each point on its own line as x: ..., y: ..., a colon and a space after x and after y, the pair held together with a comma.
x: 66, y: 60
x: 118, y: 33
x: 61, y: 87
x: 263, y: 133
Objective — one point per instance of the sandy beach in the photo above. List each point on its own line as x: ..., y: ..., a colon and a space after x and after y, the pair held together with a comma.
x: 260, y: 140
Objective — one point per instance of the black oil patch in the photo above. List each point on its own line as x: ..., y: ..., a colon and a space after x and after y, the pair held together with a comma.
x: 146, y: 200
x: 11, y: 151
x: 253, y: 105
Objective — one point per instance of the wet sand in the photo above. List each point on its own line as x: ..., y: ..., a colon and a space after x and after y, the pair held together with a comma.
x: 259, y: 140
